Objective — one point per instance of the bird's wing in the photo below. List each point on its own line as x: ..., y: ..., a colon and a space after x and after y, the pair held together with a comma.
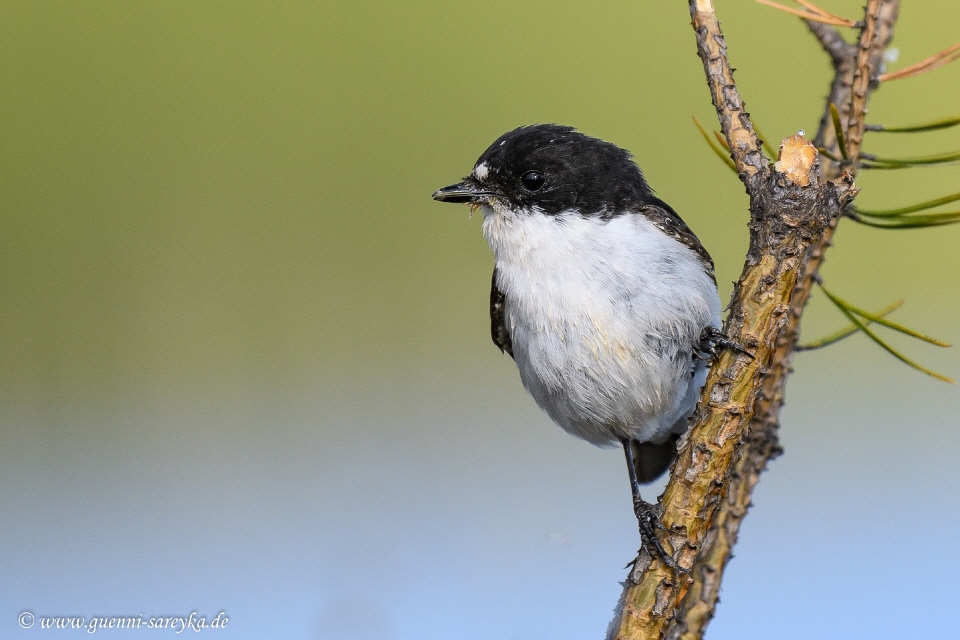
x: 666, y: 219
x: 498, y: 322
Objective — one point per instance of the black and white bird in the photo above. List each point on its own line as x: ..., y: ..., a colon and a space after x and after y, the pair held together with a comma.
x: 602, y: 295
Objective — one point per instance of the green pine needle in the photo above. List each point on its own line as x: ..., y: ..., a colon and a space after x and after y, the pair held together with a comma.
x: 908, y: 222
x: 875, y: 162
x: 767, y: 145
x: 717, y: 149
x: 838, y: 128
x: 929, y: 204
x: 887, y: 323
x: 721, y: 140
x: 847, y: 331
x: 827, y: 153
x: 851, y: 314
x: 933, y: 125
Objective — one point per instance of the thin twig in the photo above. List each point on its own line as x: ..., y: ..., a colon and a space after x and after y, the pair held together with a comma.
x: 863, y: 79
x: 831, y: 41
x: 843, y: 56
x: 734, y: 120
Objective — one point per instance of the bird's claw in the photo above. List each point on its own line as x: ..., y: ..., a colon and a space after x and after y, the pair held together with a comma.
x: 648, y: 516
x: 713, y: 339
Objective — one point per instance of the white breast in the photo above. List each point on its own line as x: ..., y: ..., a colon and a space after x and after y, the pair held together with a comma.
x: 603, y: 317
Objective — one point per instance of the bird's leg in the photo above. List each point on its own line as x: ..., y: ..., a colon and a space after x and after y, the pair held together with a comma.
x: 648, y: 515
x: 712, y: 339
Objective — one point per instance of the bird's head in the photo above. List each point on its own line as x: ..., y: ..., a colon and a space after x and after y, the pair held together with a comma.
x: 550, y: 168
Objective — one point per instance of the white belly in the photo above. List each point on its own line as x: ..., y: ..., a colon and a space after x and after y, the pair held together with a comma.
x: 603, y: 317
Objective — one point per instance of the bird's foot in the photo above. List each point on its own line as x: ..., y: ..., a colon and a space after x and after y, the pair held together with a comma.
x: 648, y: 516
x: 713, y: 339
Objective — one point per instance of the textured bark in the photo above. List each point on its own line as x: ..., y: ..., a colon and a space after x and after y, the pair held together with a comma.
x: 787, y: 224
x: 863, y: 80
x: 734, y: 433
x: 734, y: 119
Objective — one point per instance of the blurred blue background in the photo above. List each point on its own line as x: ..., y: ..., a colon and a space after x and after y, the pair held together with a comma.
x: 245, y: 363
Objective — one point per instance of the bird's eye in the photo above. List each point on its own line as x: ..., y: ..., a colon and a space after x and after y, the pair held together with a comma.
x: 533, y: 180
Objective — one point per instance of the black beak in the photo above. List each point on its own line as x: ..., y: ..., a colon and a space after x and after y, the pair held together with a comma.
x: 462, y: 193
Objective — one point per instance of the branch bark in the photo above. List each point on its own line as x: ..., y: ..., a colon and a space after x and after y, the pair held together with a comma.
x: 734, y: 431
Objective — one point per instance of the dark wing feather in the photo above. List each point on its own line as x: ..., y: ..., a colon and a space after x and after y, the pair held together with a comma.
x: 498, y: 323
x: 666, y: 219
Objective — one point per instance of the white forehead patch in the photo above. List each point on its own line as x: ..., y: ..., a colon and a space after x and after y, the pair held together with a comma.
x: 481, y: 171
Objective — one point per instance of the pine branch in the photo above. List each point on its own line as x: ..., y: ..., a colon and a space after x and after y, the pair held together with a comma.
x: 761, y: 442
x: 794, y: 210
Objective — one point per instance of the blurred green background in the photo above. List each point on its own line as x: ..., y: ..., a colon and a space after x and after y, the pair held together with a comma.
x: 244, y: 358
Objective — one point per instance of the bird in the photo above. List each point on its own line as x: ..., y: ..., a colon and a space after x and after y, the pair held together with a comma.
x: 602, y: 295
